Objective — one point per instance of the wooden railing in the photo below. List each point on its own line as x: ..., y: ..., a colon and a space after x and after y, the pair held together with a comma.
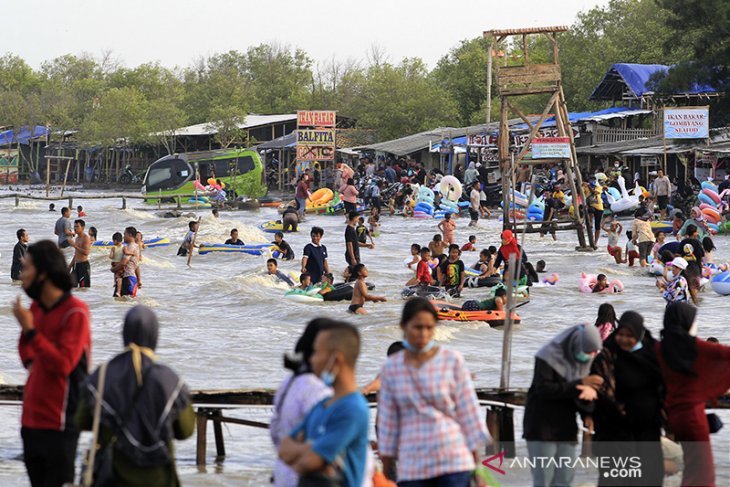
x: 606, y: 135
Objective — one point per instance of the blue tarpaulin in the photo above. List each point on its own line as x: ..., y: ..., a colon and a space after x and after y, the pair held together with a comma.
x: 23, y: 135
x: 636, y: 79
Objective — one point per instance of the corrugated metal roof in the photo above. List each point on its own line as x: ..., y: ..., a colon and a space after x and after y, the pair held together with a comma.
x: 251, y: 121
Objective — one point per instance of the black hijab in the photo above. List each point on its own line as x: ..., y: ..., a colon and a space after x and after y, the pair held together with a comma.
x: 678, y: 347
x: 142, y: 398
x: 299, y: 361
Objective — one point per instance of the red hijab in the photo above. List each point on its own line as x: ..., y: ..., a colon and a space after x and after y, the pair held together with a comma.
x: 510, y: 247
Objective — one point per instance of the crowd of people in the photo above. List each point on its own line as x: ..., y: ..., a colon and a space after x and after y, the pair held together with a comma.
x: 634, y: 393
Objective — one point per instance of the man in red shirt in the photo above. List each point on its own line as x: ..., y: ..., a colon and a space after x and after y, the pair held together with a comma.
x: 55, y: 347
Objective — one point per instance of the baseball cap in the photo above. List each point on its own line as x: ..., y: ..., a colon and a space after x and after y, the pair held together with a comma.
x: 678, y: 262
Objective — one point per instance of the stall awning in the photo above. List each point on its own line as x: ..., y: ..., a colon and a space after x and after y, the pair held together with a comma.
x: 22, y: 135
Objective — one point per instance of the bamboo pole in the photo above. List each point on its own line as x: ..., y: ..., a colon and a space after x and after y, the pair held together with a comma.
x: 65, y: 176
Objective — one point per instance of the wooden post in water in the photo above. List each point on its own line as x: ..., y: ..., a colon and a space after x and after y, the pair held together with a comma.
x: 220, y: 447
x: 17, y: 201
x: 70, y: 203
x: 124, y: 203
x: 179, y: 202
x: 202, y: 428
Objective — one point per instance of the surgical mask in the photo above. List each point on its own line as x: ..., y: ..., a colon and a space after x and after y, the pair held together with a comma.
x: 35, y: 288
x: 637, y: 347
x: 412, y: 349
x: 327, y: 376
x: 583, y: 357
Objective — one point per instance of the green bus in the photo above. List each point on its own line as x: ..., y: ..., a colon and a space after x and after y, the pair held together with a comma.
x: 240, y: 169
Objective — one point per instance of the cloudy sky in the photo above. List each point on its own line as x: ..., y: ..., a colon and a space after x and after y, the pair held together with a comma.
x: 177, y: 32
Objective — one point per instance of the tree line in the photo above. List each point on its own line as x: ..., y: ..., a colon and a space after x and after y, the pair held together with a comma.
x: 107, y: 102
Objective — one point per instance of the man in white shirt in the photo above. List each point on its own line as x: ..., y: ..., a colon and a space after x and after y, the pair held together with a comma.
x: 474, y: 204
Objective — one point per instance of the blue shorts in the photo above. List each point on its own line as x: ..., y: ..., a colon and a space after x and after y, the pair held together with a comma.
x: 129, y: 286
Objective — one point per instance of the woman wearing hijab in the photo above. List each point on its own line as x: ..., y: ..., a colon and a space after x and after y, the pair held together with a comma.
x: 561, y: 387
x: 295, y: 397
x: 627, y: 416
x: 146, y: 405
x: 471, y: 174
x: 695, y: 372
x: 510, y: 247
x: 696, y: 218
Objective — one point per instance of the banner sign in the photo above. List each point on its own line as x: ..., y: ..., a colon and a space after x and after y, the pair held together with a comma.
x: 522, y: 139
x: 481, y: 140
x: 8, y: 166
x: 324, y: 137
x: 316, y: 118
x: 551, y: 148
x: 687, y: 123
x: 313, y: 153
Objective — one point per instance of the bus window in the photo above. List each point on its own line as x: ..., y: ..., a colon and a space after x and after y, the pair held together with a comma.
x: 168, y: 174
x: 245, y: 164
x: 223, y: 167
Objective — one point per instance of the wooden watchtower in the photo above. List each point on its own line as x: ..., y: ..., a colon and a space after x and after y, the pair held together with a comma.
x: 523, y: 79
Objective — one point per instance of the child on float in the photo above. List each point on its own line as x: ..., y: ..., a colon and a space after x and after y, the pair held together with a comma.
x: 613, y: 228
x: 328, y: 283
x: 284, y: 248
x: 485, y: 264
x: 606, y: 320
x: 601, y: 284
x: 497, y: 303
x: 305, y: 281
x: 360, y: 292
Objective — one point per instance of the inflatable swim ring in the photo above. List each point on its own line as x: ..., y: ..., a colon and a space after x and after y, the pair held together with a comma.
x: 302, y: 296
x: 658, y: 226
x: 709, y: 185
x: 272, y: 226
x: 483, y: 282
x: 712, y: 215
x: 429, y: 292
x: 713, y: 195
x: 587, y: 281
x: 452, y: 312
x: 721, y: 283
x: 450, y: 188
x: 257, y: 249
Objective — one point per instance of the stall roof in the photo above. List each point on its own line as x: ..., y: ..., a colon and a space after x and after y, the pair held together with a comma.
x: 624, y: 80
x: 250, y: 121
x: 23, y: 135
x: 289, y: 140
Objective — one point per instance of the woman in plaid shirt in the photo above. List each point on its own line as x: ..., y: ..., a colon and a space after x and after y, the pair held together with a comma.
x: 428, y: 413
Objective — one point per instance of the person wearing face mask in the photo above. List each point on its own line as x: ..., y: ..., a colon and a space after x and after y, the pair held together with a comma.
x: 695, y: 372
x: 561, y: 387
x: 55, y: 347
x: 627, y: 416
x: 296, y: 395
x: 426, y: 393
x: 330, y: 446
x: 145, y: 406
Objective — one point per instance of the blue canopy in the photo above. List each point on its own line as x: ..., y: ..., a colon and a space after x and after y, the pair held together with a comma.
x: 23, y: 135
x: 633, y: 80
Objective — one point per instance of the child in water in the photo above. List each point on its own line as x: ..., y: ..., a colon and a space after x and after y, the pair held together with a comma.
x: 614, y: 229
x: 601, y: 283
x: 497, y: 303
x: 360, y: 293
x: 116, y: 255
x: 272, y: 268
x: 447, y: 227
x: 658, y: 245
x: 374, y: 222
x: 305, y: 281
x: 470, y: 246
x: 424, y: 275
x: 606, y: 320
x: 451, y: 272
x: 631, y: 252
x: 327, y: 284
x: 363, y: 234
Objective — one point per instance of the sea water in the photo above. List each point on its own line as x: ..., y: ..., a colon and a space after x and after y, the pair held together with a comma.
x: 224, y: 324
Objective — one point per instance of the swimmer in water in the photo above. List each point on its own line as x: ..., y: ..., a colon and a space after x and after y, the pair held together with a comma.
x: 284, y: 248
x: 447, y: 227
x: 424, y: 275
x: 360, y: 293
x: 328, y: 283
x: 272, y: 268
x: 601, y: 283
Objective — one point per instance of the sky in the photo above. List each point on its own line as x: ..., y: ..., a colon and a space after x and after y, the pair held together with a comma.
x: 175, y: 33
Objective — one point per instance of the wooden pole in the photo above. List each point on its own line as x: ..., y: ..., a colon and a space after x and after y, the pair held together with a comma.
x: 65, y: 177
x: 202, y: 437
x: 192, y: 244
x: 489, y: 81
x: 504, y: 375
x: 48, y: 175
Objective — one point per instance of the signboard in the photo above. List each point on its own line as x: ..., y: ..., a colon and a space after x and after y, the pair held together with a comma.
x: 522, y: 139
x: 316, y: 118
x: 551, y: 148
x: 314, y: 153
x: 8, y: 166
x: 687, y: 123
x: 316, y: 137
x: 649, y: 161
x: 481, y: 140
